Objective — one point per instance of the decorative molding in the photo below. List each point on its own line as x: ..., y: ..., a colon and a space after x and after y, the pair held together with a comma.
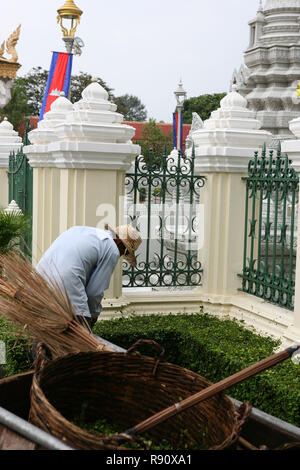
x: 8, y: 69
x: 273, y: 64
x: 292, y: 147
x: 9, y: 142
x: 224, y: 159
x: 197, y: 124
x: 229, y: 138
x: 10, y: 46
x: 80, y: 155
x: 279, y: 4
x: 88, y: 134
x: 13, y: 208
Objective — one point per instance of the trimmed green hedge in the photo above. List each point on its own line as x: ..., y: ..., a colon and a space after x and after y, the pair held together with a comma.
x: 212, y: 347
x: 215, y: 349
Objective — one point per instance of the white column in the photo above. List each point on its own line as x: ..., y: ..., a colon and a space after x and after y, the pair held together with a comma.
x: 9, y: 142
x: 79, y: 167
x: 223, y: 149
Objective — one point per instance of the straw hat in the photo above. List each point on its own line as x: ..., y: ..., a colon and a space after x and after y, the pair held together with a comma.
x: 131, y: 240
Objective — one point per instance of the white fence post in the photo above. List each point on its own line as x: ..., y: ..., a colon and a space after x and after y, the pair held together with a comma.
x: 9, y: 142
x: 223, y: 148
x: 79, y: 154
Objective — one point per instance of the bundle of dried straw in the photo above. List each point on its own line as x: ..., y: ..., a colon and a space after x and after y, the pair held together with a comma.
x: 42, y: 307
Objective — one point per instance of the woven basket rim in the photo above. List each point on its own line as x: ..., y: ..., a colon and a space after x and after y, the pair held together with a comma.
x: 98, y: 439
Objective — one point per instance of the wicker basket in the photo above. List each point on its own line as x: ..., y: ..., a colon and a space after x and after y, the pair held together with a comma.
x: 126, y: 388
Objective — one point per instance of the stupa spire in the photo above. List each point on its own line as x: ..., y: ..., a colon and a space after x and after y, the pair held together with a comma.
x: 272, y: 64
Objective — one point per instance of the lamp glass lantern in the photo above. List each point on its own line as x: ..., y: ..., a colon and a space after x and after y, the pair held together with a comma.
x: 180, y: 95
x: 69, y: 12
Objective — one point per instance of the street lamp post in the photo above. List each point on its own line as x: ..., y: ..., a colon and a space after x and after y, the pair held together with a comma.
x: 180, y: 95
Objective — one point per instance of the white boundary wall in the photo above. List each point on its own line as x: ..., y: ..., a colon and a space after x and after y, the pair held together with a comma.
x: 223, y: 149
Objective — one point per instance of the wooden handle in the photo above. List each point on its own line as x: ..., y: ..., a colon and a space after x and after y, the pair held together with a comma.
x: 212, y: 390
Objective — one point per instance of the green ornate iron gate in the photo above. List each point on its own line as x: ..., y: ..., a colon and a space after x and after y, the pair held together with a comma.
x: 270, y: 239
x: 162, y: 198
x: 20, y: 181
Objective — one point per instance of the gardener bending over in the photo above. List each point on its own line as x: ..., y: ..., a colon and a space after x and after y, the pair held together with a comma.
x: 83, y: 260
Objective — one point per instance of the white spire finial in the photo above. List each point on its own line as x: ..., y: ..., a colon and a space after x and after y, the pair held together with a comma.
x: 260, y: 6
x: 13, y: 208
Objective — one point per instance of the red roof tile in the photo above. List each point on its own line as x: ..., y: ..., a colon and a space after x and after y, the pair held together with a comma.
x: 139, y: 126
x: 165, y: 127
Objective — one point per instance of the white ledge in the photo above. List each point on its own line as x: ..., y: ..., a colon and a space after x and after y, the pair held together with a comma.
x: 89, y: 155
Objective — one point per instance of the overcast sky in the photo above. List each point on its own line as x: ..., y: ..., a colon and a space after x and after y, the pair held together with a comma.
x: 140, y: 47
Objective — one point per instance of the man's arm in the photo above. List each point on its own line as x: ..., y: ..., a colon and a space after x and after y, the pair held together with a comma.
x: 100, y: 279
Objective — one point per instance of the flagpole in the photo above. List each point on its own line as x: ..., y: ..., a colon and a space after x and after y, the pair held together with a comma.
x: 179, y: 129
x: 180, y: 95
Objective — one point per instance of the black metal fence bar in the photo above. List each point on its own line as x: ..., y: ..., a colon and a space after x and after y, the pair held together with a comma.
x: 162, y: 197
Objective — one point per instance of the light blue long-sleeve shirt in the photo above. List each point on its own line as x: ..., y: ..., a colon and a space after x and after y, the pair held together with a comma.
x: 83, y: 259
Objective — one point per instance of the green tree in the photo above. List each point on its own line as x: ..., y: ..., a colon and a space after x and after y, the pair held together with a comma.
x: 131, y: 107
x: 13, y: 228
x: 204, y: 105
x: 34, y: 83
x: 153, y: 138
x: 18, y: 106
x: 28, y: 93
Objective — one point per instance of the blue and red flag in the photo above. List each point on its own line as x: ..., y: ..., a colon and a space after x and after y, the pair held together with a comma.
x: 58, y: 80
x: 175, y: 130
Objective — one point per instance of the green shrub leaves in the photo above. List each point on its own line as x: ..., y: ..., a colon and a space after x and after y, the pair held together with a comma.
x: 215, y: 349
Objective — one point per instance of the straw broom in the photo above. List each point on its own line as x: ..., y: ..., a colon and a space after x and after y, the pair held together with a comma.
x: 42, y: 306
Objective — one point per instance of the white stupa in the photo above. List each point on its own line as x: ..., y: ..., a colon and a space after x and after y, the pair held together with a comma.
x: 271, y: 72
